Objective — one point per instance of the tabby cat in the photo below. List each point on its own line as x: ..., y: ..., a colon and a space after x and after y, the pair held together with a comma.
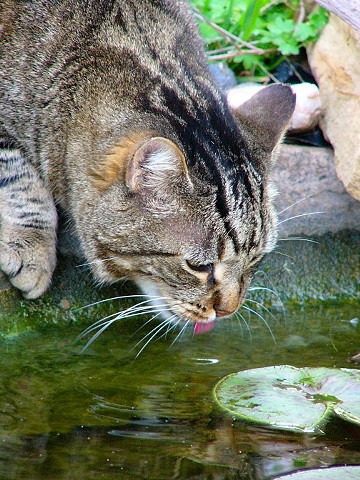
x: 108, y: 112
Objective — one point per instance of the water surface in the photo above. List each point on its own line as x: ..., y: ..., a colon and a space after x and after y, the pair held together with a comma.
x: 107, y: 413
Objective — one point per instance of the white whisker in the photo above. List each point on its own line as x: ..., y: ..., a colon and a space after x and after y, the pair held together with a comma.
x: 121, y: 316
x: 266, y: 289
x: 103, y: 326
x: 182, y: 331
x: 240, y: 317
x: 147, y: 322
x: 159, y: 325
x: 155, y: 331
x: 134, y: 308
x: 300, y: 239
x: 171, y: 326
x: 240, y: 325
x: 97, y: 261
x: 261, y: 318
x: 295, y: 203
x: 150, y: 298
x: 283, y: 254
x: 97, y: 334
x: 95, y: 325
x: 298, y: 216
x: 261, y: 272
x: 264, y: 308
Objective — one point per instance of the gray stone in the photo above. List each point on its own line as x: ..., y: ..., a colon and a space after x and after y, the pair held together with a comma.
x: 223, y: 75
x: 305, y: 177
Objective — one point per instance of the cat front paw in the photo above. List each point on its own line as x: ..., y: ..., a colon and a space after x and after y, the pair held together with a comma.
x: 28, y: 258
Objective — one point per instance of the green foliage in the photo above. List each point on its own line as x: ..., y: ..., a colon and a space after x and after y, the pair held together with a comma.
x: 253, y: 36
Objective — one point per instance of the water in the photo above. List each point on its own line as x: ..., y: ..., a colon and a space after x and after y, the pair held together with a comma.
x: 106, y: 413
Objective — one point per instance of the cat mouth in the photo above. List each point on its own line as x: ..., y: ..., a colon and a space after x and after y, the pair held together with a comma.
x: 204, y: 327
x: 202, y: 323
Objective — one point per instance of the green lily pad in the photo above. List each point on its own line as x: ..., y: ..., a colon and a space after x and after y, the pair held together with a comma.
x: 288, y: 398
x: 335, y: 473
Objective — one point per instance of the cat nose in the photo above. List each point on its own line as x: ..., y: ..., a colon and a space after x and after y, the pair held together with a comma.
x: 226, y: 302
x: 226, y: 305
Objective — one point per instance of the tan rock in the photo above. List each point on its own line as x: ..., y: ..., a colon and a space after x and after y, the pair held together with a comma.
x: 334, y: 62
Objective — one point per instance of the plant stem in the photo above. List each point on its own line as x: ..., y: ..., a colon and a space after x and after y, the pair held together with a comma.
x: 229, y: 36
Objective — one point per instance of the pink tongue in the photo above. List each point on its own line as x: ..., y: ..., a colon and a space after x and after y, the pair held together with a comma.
x: 203, y: 327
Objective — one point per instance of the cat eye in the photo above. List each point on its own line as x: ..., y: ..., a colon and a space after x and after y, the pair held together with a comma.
x: 198, y: 267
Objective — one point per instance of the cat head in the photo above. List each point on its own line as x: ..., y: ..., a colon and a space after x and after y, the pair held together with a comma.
x: 190, y: 228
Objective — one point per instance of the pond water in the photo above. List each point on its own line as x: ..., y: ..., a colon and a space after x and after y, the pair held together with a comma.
x: 107, y: 413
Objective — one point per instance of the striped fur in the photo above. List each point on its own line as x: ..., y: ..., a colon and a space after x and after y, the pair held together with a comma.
x: 116, y: 118
x: 28, y: 224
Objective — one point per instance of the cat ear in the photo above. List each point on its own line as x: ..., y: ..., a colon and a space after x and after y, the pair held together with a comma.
x: 158, y: 162
x: 267, y: 115
x: 141, y: 161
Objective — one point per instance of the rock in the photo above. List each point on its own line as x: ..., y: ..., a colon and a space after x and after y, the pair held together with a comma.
x: 307, y: 110
x: 4, y: 284
x: 223, y: 75
x: 355, y: 358
x: 305, y: 177
x: 333, y: 62
x: 348, y: 10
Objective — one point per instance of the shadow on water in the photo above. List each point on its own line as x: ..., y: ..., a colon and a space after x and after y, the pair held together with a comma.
x: 107, y: 414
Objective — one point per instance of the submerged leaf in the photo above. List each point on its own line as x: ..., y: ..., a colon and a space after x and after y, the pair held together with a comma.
x: 289, y: 398
x: 333, y: 473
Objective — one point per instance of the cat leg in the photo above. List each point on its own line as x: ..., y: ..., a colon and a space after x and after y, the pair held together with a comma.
x: 27, y: 224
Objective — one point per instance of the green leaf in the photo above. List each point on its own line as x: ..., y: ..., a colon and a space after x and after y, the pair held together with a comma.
x: 281, y: 26
x: 218, y: 11
x: 208, y: 33
x: 304, y: 32
x: 319, y: 18
x: 288, y: 47
x: 250, y: 62
x: 288, y: 398
x: 249, y: 18
x: 263, y: 23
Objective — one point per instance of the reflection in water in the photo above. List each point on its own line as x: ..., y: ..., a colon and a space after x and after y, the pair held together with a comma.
x: 107, y: 414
